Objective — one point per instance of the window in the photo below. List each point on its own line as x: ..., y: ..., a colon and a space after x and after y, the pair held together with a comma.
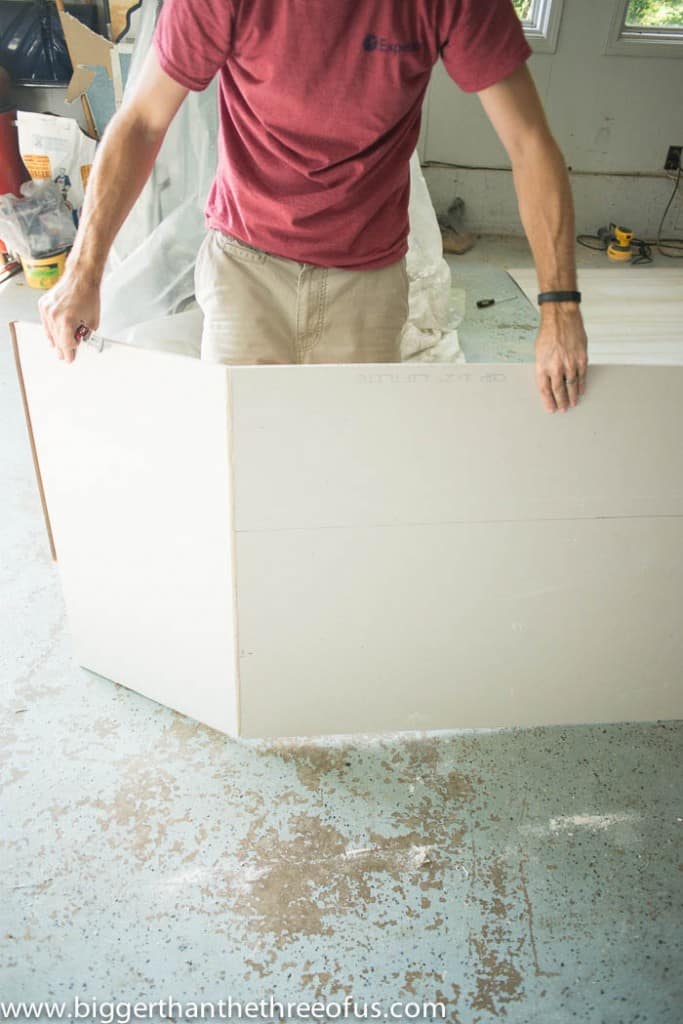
x: 647, y: 28
x: 657, y: 15
x: 523, y: 8
x: 541, y: 21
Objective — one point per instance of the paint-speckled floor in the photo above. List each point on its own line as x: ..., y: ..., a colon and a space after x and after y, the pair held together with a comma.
x: 531, y: 876
x: 503, y: 333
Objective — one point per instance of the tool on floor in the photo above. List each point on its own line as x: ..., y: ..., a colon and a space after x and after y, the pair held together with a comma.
x: 485, y: 303
x: 620, y: 245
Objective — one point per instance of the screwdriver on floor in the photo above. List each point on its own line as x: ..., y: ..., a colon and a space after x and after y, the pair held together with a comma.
x: 485, y: 303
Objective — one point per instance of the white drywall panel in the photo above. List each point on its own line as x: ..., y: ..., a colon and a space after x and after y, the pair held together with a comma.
x: 414, y: 548
x: 460, y: 625
x: 374, y: 446
x: 133, y: 453
x: 632, y: 315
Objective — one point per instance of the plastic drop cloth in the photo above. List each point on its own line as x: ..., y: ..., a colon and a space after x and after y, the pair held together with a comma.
x: 435, y: 310
x: 151, y: 267
x: 150, y: 278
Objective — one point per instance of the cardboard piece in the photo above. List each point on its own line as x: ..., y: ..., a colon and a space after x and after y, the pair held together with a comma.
x: 120, y: 12
x: 86, y: 49
x: 100, y: 67
x: 289, y: 551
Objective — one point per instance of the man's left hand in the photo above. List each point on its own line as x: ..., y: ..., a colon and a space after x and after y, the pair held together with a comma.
x: 561, y: 358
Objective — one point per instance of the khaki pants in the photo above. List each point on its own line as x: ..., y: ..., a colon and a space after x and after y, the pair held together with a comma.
x: 260, y: 308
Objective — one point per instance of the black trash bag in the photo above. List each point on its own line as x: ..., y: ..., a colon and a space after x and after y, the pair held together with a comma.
x: 32, y: 46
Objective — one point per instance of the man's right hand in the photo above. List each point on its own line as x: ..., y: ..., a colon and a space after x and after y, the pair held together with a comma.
x: 69, y: 303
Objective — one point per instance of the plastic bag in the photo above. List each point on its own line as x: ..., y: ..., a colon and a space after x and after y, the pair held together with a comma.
x: 431, y: 320
x: 38, y: 223
x: 32, y: 46
x: 55, y: 149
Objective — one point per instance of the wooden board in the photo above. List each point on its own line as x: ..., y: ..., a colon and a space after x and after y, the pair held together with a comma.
x: 633, y: 315
x: 133, y: 452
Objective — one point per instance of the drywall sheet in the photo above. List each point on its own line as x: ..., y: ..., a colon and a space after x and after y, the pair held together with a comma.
x: 633, y: 315
x: 301, y: 550
x: 385, y: 446
x: 133, y: 453
x: 460, y: 625
x: 433, y: 550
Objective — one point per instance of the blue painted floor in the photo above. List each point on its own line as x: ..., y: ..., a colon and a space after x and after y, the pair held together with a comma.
x: 525, y: 876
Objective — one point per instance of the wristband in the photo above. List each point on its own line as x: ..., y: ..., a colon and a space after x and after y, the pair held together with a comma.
x: 559, y: 297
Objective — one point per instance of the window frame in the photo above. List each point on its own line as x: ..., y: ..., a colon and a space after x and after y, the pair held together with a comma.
x: 542, y: 29
x: 641, y: 41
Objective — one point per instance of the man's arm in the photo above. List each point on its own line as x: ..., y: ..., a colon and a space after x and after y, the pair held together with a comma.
x: 547, y: 211
x: 122, y: 165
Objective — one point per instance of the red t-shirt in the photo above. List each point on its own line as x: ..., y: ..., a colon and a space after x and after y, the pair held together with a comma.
x: 320, y: 104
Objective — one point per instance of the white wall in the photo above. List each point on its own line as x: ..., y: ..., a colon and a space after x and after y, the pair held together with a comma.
x: 612, y: 116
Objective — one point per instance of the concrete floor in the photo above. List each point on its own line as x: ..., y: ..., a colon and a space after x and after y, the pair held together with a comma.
x: 501, y: 333
x: 530, y: 876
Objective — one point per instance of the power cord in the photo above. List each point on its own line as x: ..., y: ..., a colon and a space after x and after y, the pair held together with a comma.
x: 670, y: 243
x: 600, y: 244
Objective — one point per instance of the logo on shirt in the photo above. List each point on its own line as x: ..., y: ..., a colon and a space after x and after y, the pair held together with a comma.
x: 373, y: 43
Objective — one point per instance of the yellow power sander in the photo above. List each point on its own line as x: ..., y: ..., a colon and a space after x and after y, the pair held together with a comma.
x: 619, y: 243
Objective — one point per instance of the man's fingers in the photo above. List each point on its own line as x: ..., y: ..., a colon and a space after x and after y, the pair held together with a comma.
x: 561, y: 389
x: 45, y: 319
x: 561, y: 360
x: 560, y: 395
x: 60, y: 321
x: 582, y: 377
x: 572, y: 385
x: 546, y: 391
x: 66, y: 351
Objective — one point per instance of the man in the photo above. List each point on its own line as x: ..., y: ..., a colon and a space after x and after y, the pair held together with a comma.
x: 320, y: 104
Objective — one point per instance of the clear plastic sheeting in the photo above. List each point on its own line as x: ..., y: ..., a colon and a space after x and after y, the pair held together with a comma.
x: 151, y: 267
x: 151, y: 270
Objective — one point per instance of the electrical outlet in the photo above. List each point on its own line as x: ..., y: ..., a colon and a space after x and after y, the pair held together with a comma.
x: 673, y: 158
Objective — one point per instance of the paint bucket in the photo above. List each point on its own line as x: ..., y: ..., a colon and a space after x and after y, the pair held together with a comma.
x: 42, y: 272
